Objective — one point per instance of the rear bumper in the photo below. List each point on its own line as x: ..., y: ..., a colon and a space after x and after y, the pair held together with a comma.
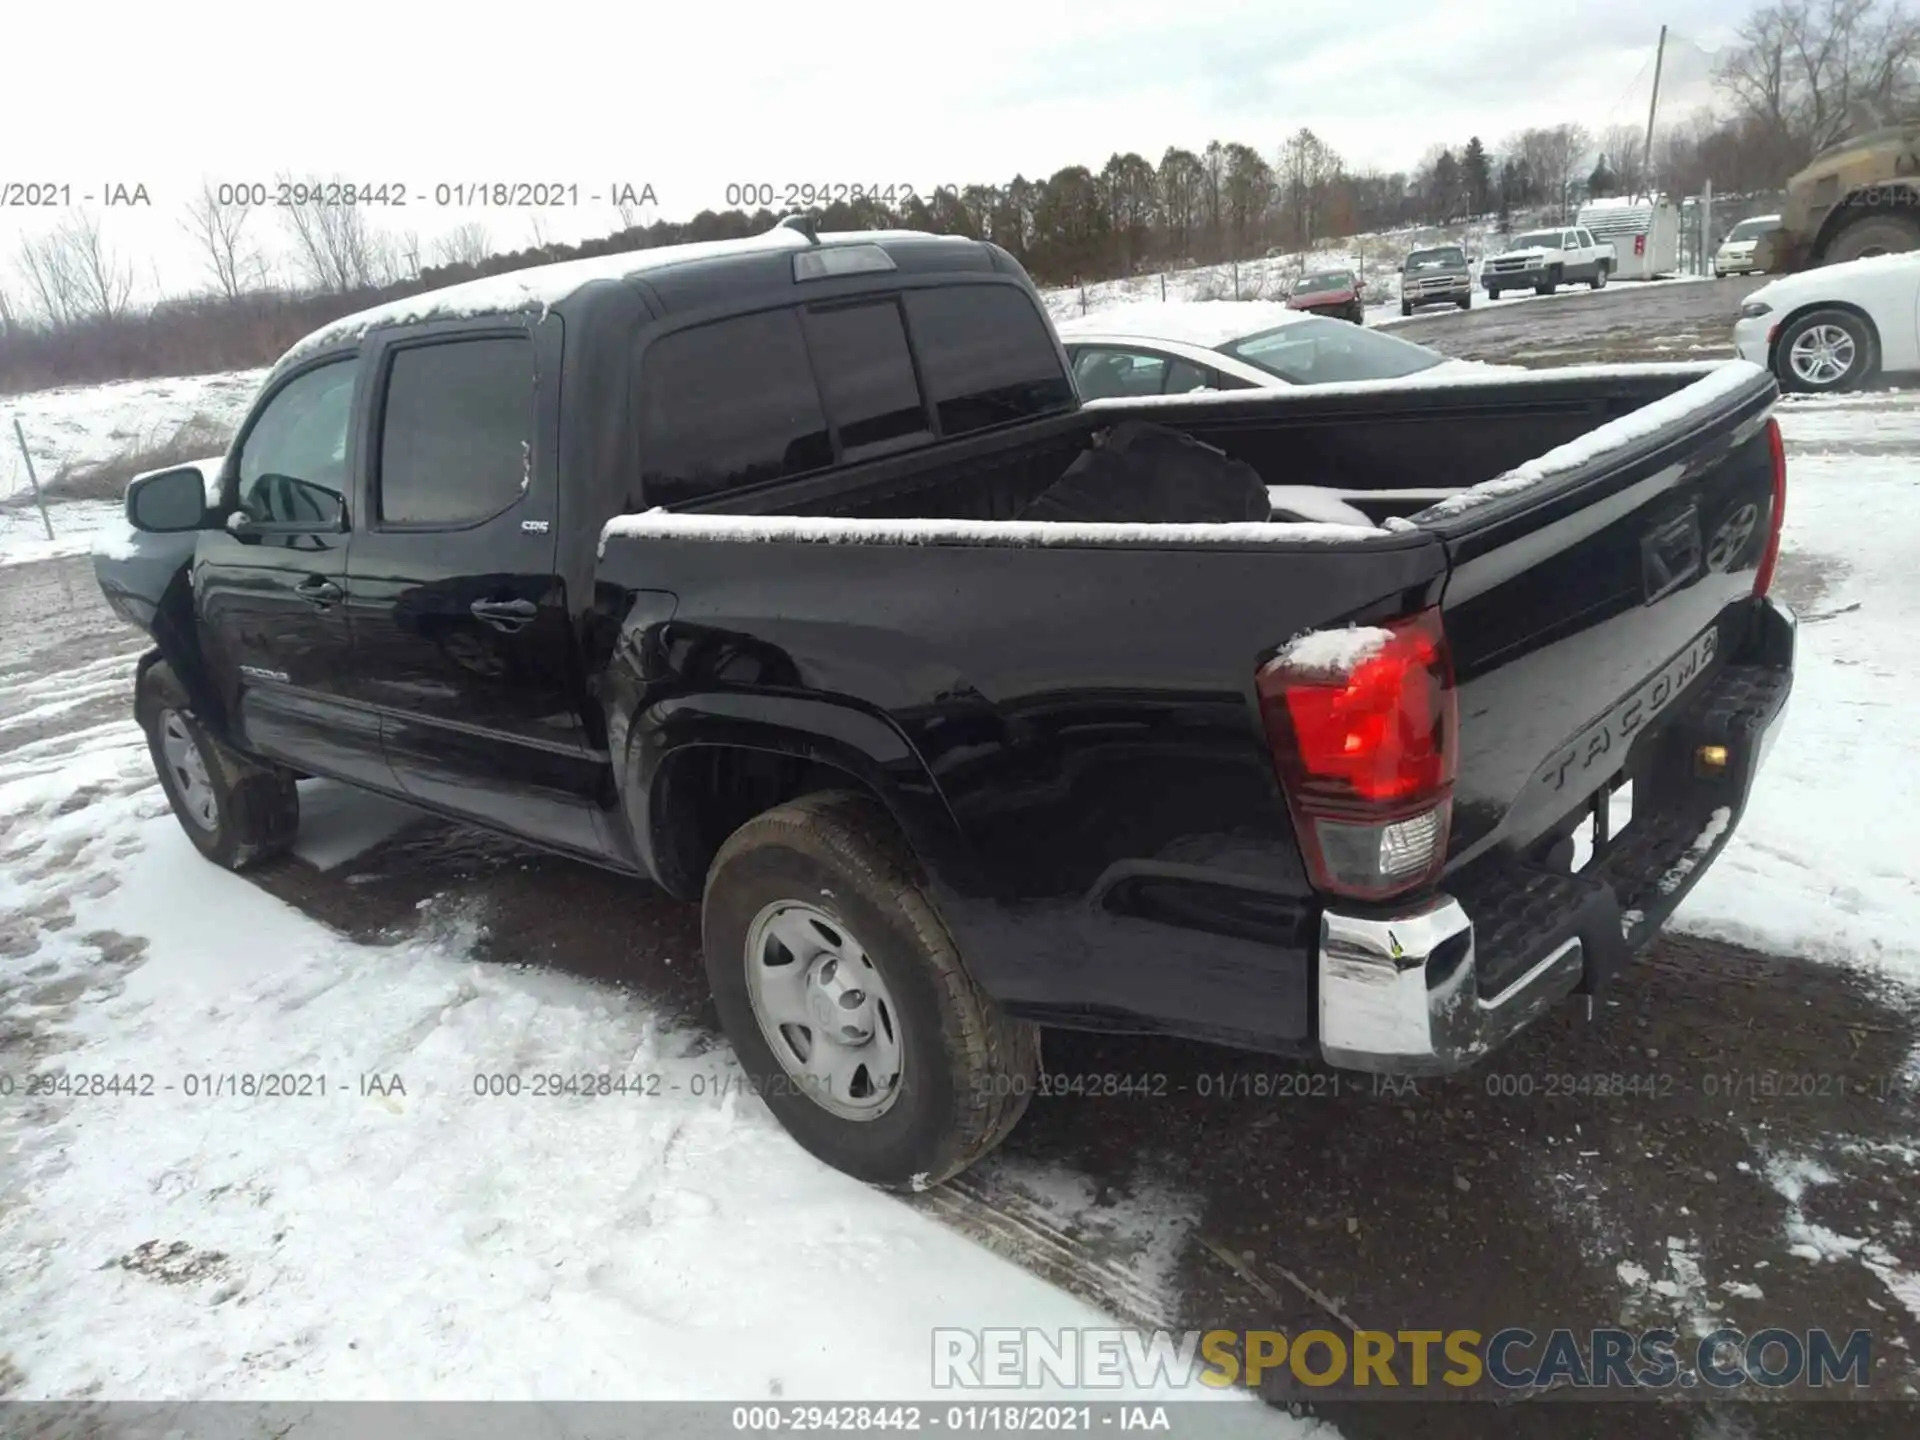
x: 1434, y: 987
x: 1514, y: 279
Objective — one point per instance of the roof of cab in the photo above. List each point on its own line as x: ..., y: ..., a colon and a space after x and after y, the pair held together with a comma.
x: 683, y: 275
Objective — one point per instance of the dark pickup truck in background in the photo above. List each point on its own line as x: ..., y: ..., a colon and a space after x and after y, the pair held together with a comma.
x: 791, y: 574
x: 1430, y: 276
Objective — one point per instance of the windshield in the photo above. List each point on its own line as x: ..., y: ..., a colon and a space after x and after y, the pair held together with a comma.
x: 1536, y: 240
x: 1751, y: 229
x: 1320, y: 352
x: 1429, y: 259
x: 1327, y: 280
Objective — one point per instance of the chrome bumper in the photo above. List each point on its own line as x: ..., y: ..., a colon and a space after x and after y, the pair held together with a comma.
x: 1401, y: 995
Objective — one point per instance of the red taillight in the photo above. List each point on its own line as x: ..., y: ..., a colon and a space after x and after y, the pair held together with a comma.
x: 1763, y: 577
x: 1363, y: 726
x: 1639, y: 244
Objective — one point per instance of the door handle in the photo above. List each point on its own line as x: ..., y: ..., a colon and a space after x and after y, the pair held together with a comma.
x: 318, y: 591
x: 507, y: 615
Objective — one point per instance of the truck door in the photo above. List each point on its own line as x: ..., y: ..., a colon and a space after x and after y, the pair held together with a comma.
x: 463, y: 638
x: 270, y: 588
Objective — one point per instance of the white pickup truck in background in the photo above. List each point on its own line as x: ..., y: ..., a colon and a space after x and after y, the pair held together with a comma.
x: 1548, y: 259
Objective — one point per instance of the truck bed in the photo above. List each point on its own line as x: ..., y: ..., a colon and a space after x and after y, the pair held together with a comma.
x: 1065, y: 721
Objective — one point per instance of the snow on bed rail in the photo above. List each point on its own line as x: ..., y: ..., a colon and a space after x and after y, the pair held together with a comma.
x: 1333, y: 654
x: 1448, y: 375
x: 836, y: 530
x: 1722, y: 380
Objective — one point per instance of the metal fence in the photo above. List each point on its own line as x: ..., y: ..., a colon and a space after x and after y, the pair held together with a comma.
x: 1706, y: 219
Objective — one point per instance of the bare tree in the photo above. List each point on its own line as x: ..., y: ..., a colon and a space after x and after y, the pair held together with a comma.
x: 1623, y: 147
x: 1554, y: 156
x: 221, y: 233
x: 9, y: 319
x: 628, y: 216
x: 1812, y: 72
x: 104, y: 278
x: 466, y: 245
x: 334, y: 245
x: 1307, y: 170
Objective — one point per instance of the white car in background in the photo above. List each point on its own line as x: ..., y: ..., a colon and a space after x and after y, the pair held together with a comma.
x: 1835, y: 327
x: 1174, y: 348
x: 1735, y: 255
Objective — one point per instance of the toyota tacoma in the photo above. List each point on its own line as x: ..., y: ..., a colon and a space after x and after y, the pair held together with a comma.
x: 792, y: 575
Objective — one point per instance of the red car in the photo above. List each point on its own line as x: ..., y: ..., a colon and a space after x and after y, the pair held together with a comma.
x: 1330, y: 292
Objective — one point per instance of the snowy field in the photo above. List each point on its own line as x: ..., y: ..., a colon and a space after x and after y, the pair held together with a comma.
x: 90, y: 424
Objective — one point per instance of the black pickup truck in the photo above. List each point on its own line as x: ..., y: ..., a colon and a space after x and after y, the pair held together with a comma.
x: 777, y: 571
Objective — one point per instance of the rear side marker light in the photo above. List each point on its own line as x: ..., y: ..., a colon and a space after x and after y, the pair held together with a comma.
x: 1770, y: 557
x: 1363, y: 727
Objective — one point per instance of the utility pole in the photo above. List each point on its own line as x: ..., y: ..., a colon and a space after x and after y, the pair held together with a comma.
x: 1646, y: 156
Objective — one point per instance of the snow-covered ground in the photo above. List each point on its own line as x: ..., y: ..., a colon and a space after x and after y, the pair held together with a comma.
x: 76, y: 525
x: 387, y: 1230
x: 89, y: 424
x: 1823, y: 863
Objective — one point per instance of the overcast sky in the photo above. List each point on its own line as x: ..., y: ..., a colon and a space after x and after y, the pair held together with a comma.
x: 690, y: 97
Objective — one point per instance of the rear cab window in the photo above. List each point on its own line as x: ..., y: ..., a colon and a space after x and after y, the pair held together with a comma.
x: 777, y: 394
x: 986, y: 355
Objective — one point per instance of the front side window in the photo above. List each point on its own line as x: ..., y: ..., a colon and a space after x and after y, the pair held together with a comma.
x: 986, y: 356
x: 456, y: 434
x: 299, y: 441
x: 731, y: 404
x: 1105, y: 374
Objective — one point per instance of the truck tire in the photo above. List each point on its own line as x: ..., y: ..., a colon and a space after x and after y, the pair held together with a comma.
x: 1405, y: 309
x: 816, y: 914
x: 1876, y: 235
x: 1824, y: 351
x: 1493, y: 292
x: 1466, y: 302
x: 236, y: 811
x: 1550, y: 284
x: 1599, y: 281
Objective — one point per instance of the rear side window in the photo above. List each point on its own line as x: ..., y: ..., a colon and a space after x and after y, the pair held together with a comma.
x: 456, y: 436
x: 726, y: 405
x: 986, y: 355
x: 866, y: 376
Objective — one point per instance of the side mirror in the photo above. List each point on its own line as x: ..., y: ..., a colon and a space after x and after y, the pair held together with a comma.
x: 168, y: 502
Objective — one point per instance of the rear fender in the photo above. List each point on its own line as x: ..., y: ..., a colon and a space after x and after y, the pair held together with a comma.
x: 867, y: 748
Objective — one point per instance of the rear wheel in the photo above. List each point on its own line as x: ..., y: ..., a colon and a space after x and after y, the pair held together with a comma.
x: 1826, y: 350
x: 847, y: 1002
x: 236, y: 811
x: 1599, y: 281
x: 1878, y: 235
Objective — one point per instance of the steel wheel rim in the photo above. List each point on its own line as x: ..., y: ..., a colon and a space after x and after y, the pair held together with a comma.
x: 1822, y: 354
x: 189, y: 769
x: 824, y: 1010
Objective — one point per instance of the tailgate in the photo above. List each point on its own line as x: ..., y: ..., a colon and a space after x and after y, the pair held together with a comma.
x: 1591, y: 591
